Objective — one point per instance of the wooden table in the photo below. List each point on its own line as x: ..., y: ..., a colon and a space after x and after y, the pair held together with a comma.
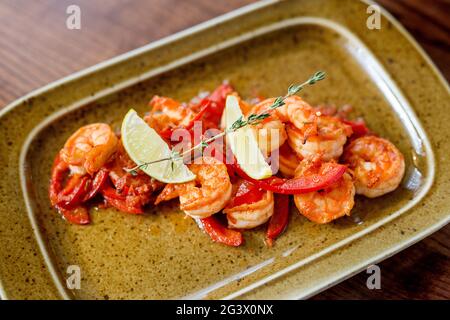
x: 36, y: 48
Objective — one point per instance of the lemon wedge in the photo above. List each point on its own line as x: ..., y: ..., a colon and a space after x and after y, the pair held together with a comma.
x: 143, y: 145
x: 243, y: 143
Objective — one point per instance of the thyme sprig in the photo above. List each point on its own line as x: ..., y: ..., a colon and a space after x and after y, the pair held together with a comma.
x: 252, y: 119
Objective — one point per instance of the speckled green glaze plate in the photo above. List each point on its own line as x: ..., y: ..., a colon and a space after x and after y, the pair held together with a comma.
x: 260, y: 49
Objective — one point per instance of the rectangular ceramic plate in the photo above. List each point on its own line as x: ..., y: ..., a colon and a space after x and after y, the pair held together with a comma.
x: 260, y: 49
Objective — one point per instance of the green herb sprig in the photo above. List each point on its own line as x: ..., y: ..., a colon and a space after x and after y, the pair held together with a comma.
x: 252, y: 119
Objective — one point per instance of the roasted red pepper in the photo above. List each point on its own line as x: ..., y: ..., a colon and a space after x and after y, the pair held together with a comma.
x: 167, y: 133
x: 279, y: 219
x: 78, y: 215
x: 74, y: 192
x: 211, y: 109
x: 359, y: 128
x: 221, y: 234
x: 59, y: 172
x: 97, y: 184
x: 119, y: 201
x: 70, y: 195
x: 218, y: 98
x: 205, y: 105
x: 328, y: 174
x: 247, y: 193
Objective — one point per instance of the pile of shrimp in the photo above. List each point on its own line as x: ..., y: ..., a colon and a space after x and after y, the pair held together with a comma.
x: 92, y: 167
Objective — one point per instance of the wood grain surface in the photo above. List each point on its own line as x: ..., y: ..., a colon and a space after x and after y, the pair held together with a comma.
x: 36, y: 48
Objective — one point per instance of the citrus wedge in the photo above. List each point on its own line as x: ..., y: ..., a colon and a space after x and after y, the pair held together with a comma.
x: 243, y: 143
x: 143, y: 145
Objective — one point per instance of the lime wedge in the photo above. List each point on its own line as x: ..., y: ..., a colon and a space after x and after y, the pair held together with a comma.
x: 144, y: 145
x: 243, y: 143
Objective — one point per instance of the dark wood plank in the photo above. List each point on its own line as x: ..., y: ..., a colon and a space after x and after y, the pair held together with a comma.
x: 429, y: 23
x: 36, y: 48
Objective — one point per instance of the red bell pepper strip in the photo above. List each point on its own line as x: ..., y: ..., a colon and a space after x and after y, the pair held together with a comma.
x: 247, y: 193
x: 119, y: 201
x: 221, y: 234
x: 73, y: 194
x: 329, y: 173
x: 59, y: 171
x: 78, y: 215
x: 97, y: 184
x: 359, y: 127
x: 211, y: 110
x: 206, y: 104
x: 167, y: 133
x: 218, y: 98
x: 279, y: 219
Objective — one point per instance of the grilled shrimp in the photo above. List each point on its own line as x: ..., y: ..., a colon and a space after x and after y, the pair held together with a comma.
x: 270, y: 135
x: 328, y: 138
x: 298, y: 112
x: 288, y: 161
x: 254, y: 209
x: 295, y: 112
x: 309, y: 132
x: 328, y: 204
x: 168, y: 113
x: 377, y: 164
x: 208, y: 194
x: 271, y: 132
x: 89, y: 148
